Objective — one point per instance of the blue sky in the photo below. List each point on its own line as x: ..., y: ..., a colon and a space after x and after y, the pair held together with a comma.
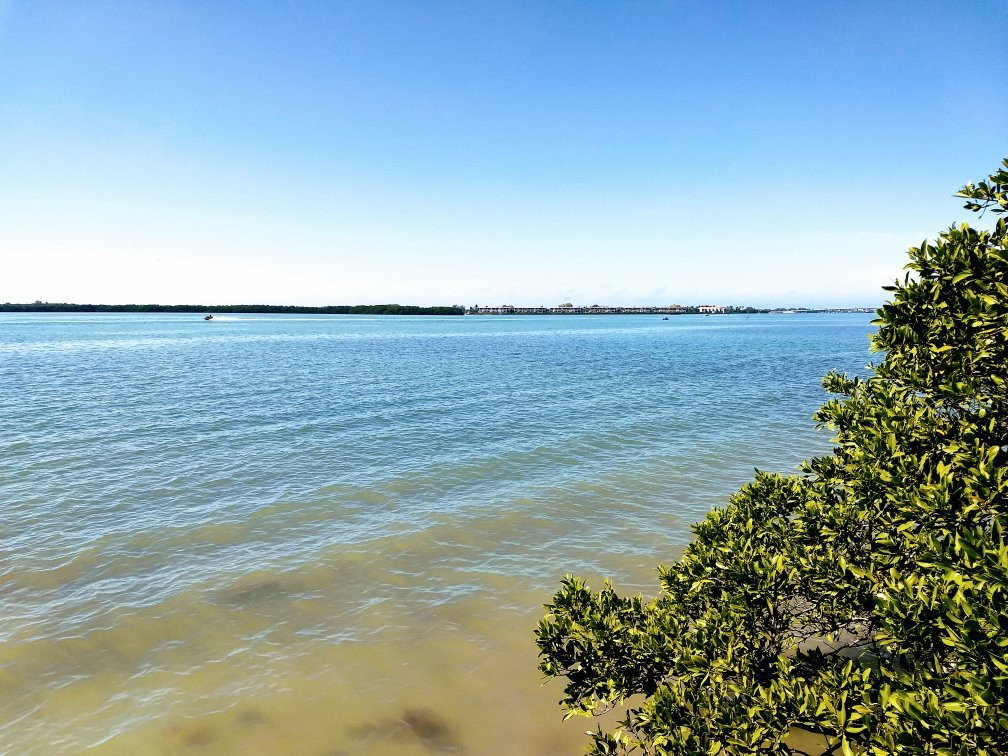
x: 519, y: 153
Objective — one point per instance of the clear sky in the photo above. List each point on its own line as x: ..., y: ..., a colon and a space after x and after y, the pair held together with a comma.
x: 520, y: 153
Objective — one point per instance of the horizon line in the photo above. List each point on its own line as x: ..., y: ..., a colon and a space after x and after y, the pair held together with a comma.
x: 393, y: 307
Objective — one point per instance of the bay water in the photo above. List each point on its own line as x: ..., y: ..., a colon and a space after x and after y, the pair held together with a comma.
x: 334, y: 534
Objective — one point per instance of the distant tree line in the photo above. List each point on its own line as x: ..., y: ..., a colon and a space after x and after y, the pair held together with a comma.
x: 380, y: 309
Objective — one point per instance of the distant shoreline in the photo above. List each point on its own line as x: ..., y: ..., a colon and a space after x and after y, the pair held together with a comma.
x: 670, y: 310
x: 397, y: 309
x: 382, y: 309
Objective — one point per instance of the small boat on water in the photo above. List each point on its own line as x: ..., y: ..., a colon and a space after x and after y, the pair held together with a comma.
x: 665, y: 318
x: 208, y: 317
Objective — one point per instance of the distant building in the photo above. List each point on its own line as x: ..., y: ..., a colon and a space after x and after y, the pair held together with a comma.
x: 707, y: 309
x: 570, y: 310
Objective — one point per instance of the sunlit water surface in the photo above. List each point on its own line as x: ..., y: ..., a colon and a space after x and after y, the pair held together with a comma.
x: 334, y: 534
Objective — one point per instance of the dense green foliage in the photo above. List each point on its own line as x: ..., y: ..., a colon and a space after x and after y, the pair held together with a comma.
x: 864, y: 601
x: 383, y: 309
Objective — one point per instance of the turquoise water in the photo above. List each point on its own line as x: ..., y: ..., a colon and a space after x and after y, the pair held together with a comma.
x: 269, y: 509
